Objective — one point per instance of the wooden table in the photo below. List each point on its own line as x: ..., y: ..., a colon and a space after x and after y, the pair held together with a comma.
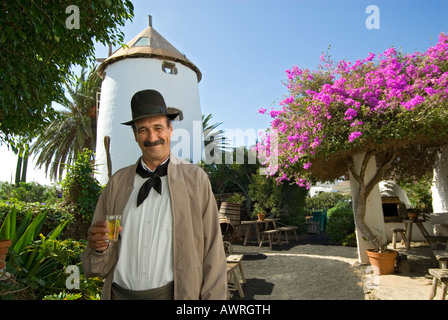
x: 254, y: 223
x: 408, y: 226
x: 271, y: 220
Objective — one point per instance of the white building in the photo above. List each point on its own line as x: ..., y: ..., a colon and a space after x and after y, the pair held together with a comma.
x: 148, y: 62
x: 321, y: 187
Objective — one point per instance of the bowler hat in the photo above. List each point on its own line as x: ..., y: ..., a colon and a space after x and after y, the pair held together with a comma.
x: 149, y: 103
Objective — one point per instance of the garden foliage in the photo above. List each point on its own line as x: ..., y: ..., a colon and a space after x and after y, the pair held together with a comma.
x: 324, y: 201
x: 341, y: 224
x: 38, y: 258
x: 27, y: 267
x: 80, y: 188
x: 29, y: 192
x: 39, y: 50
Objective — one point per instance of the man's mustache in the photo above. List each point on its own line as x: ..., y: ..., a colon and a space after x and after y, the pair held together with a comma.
x: 147, y: 143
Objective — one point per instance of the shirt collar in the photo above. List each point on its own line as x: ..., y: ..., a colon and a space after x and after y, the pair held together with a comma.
x: 147, y: 168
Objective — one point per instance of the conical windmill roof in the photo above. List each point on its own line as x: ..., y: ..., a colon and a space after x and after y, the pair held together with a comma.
x: 149, y: 44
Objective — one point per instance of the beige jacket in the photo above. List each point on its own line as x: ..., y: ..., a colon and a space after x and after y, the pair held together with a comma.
x: 199, y: 258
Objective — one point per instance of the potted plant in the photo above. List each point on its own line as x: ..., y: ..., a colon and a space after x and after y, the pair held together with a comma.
x: 412, y: 214
x: 7, y: 230
x: 4, y: 247
x: 259, y: 212
x: 382, y: 259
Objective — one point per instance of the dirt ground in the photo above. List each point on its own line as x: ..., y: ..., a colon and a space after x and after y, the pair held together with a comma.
x: 315, y: 269
x: 411, y: 281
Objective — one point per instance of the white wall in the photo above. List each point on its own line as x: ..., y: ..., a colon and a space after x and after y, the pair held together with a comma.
x: 122, y: 80
x: 439, y: 188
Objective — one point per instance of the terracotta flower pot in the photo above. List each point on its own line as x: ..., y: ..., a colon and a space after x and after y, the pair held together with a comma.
x: 413, y: 215
x: 382, y: 262
x: 261, y: 216
x: 4, y: 245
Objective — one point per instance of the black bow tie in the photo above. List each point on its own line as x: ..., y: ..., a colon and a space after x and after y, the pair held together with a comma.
x: 154, y: 180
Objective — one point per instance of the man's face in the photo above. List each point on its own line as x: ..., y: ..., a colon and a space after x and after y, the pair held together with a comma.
x: 153, y: 135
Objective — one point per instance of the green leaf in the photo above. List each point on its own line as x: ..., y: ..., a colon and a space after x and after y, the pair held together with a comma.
x: 29, y: 33
x: 22, y: 227
x: 30, y: 233
x: 57, y: 231
x: 7, y: 231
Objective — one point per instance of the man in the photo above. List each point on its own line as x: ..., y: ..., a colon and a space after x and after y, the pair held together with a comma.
x: 170, y: 244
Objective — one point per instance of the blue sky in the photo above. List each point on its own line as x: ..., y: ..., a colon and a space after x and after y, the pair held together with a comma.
x: 243, y: 47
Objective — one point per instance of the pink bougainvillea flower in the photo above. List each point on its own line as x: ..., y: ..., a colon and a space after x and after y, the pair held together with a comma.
x: 417, y: 100
x: 350, y: 114
x: 354, y: 135
x: 328, y: 107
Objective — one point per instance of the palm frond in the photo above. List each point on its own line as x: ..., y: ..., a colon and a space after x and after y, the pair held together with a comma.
x: 73, y: 129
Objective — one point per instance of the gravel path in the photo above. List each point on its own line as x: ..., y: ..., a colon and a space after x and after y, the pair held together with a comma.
x: 310, y: 269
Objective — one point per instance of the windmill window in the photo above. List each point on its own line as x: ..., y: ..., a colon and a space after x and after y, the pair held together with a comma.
x: 142, y: 42
x: 169, y: 67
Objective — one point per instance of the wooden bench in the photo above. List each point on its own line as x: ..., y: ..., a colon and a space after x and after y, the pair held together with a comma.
x: 442, y: 257
x: 435, y: 240
x: 286, y: 230
x: 236, y: 258
x: 232, y: 279
x: 439, y: 275
x: 402, y: 232
x: 270, y: 234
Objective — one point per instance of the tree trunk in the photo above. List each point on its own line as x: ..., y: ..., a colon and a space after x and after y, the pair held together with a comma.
x: 439, y: 187
x: 360, y: 208
x: 364, y: 179
x: 24, y: 168
x: 18, y: 169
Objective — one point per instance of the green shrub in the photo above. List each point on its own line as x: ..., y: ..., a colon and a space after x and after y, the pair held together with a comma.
x: 236, y: 198
x: 29, y: 192
x: 265, y: 191
x: 39, y: 272
x: 278, y: 198
x: 67, y: 253
x: 350, y: 240
x: 324, y: 201
x: 81, y: 189
x: 27, y: 267
x: 419, y: 192
x: 293, y: 200
x: 55, y: 213
x: 36, y: 263
x: 341, y: 223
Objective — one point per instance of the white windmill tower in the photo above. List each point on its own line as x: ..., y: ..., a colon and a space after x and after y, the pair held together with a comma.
x: 148, y: 62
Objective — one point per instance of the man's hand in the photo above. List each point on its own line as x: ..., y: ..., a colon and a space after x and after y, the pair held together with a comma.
x: 97, y: 236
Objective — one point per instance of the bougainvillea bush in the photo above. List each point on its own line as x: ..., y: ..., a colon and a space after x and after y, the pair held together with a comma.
x: 392, y: 106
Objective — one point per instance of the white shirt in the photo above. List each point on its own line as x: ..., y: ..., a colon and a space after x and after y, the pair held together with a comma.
x: 145, y: 260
